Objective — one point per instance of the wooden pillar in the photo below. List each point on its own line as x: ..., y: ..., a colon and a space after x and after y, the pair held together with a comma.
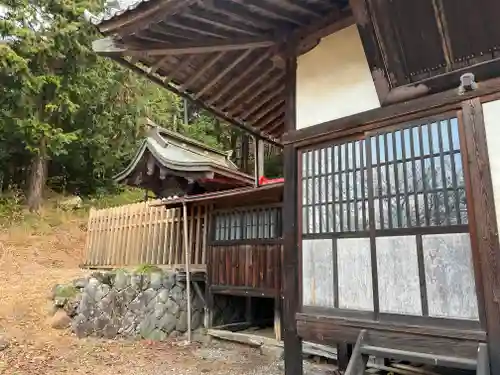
x: 290, y: 269
x: 259, y: 159
x: 485, y: 231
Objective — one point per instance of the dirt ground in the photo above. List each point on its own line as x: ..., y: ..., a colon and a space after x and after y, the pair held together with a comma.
x: 31, y: 262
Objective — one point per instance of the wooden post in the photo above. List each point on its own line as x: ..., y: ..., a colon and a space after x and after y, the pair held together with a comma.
x: 486, y: 231
x: 258, y: 159
x: 188, y: 274
x: 290, y: 269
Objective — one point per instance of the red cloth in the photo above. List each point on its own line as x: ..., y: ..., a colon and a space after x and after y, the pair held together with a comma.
x: 264, y: 181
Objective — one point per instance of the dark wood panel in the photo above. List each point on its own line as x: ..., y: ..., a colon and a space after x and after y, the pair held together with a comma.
x: 247, y: 266
x: 331, y: 332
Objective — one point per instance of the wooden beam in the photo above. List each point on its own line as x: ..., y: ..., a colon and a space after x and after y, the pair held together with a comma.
x: 266, y: 110
x: 201, y: 71
x: 259, y: 91
x: 169, y: 32
x: 271, y: 118
x: 274, y: 126
x: 290, y: 269
x: 269, y: 10
x: 219, y: 76
x: 182, y: 63
x: 443, y: 31
x: 306, y: 10
x: 235, y: 81
x: 265, y: 99
x: 245, y: 89
x: 217, y: 112
x: 184, y: 26
x: 197, y: 47
x: 486, y: 238
x: 222, y: 22
x: 357, y: 364
x: 237, y: 12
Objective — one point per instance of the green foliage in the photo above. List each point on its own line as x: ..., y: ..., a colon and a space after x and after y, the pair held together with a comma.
x: 81, y: 114
x: 65, y: 291
x: 144, y: 269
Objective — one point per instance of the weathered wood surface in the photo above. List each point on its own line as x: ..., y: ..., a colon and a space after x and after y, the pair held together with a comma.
x: 143, y: 233
x: 256, y: 266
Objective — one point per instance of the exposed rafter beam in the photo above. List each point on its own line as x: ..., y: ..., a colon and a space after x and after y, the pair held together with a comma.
x: 271, y: 116
x: 266, y: 110
x: 265, y: 99
x: 200, y: 103
x: 300, y: 9
x: 165, y: 30
x: 202, y: 71
x: 161, y: 49
x: 219, y: 76
x: 261, y: 89
x: 271, y: 11
x: 221, y: 22
x: 180, y: 65
x: 183, y: 26
x: 237, y: 80
x: 251, y: 85
x: 274, y: 125
x: 237, y: 12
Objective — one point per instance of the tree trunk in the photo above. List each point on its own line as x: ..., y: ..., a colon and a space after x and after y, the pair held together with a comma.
x: 37, y: 178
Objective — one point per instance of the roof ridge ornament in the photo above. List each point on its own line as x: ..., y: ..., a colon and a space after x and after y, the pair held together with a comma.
x: 467, y: 83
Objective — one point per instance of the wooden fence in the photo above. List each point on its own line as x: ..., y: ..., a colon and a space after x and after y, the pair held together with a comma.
x: 143, y: 233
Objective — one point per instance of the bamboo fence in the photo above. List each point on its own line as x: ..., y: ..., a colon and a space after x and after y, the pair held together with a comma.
x: 145, y: 233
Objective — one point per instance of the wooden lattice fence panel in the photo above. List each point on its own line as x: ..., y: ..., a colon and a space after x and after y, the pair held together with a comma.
x: 145, y: 233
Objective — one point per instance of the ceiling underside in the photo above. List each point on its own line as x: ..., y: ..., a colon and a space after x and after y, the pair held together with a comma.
x: 226, y: 55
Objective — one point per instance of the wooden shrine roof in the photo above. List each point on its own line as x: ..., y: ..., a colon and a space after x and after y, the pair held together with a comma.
x: 165, y: 154
x: 226, y: 55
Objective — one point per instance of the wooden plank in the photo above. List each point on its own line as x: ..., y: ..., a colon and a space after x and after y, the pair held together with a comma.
x: 483, y: 204
x: 87, y: 255
x: 357, y: 364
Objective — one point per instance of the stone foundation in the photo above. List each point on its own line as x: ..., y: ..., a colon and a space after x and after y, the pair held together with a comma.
x: 119, y: 303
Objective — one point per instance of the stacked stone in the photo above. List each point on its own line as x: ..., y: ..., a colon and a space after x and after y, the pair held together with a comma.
x: 150, y: 305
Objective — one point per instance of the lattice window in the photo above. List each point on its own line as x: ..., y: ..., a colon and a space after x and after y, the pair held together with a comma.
x: 384, y: 224
x: 260, y: 223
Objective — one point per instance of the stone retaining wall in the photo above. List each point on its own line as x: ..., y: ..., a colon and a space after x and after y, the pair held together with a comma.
x: 119, y: 303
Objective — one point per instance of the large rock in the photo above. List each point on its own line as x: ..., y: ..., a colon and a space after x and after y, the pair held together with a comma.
x: 71, y: 203
x: 167, y: 323
x: 4, y: 343
x: 156, y: 280
x: 60, y: 320
x: 182, y: 325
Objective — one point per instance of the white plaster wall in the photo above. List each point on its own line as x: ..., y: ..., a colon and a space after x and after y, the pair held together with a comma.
x: 491, y: 111
x: 334, y: 80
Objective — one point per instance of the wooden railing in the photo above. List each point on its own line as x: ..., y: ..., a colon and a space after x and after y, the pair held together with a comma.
x: 143, y: 233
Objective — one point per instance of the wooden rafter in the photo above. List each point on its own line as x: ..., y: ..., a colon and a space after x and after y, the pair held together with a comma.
x: 183, y: 62
x: 271, y: 117
x: 238, y: 79
x: 219, y: 76
x: 200, y: 47
x: 201, y: 71
x: 271, y: 11
x: 169, y: 32
x: 265, y: 99
x: 245, y: 89
x: 184, y: 26
x: 238, y: 12
x: 308, y: 11
x: 222, y: 22
x: 258, y: 91
x: 266, y: 110
x: 273, y: 127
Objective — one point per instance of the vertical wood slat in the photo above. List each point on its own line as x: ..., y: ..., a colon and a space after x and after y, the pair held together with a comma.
x: 144, y: 233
